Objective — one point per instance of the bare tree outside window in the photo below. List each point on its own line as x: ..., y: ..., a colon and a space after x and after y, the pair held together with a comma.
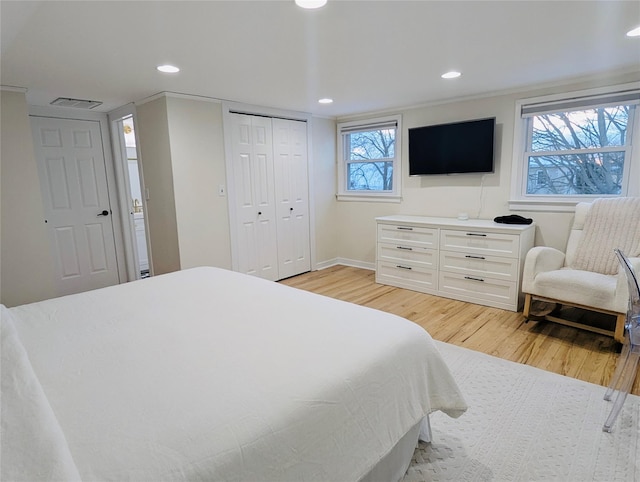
x: 370, y: 160
x: 578, y: 152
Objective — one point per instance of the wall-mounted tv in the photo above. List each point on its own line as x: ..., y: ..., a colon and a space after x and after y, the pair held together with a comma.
x: 455, y: 148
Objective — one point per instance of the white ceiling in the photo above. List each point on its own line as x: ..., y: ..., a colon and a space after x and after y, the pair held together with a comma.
x: 366, y: 55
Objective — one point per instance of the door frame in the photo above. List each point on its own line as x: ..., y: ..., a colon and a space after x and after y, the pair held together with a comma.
x: 115, y: 201
x: 229, y: 108
x: 122, y: 175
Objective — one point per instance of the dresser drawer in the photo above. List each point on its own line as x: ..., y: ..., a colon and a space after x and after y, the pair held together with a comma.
x: 415, y: 255
x: 407, y: 276
x: 478, y: 242
x: 479, y: 265
x: 408, y: 235
x: 494, y: 292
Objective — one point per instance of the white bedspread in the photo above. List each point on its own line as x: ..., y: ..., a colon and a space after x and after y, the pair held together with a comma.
x: 207, y: 374
x: 33, y: 445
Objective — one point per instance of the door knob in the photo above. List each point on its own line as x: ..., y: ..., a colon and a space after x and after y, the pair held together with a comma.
x: 104, y: 213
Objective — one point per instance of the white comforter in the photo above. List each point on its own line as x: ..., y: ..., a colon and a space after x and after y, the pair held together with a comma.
x: 207, y: 374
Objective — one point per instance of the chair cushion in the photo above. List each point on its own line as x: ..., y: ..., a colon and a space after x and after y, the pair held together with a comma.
x: 576, y: 286
x: 610, y: 223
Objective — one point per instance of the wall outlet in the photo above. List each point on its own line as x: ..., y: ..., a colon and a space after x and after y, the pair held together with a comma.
x: 222, y: 191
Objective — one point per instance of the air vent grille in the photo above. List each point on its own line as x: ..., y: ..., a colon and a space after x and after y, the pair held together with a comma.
x: 77, y: 103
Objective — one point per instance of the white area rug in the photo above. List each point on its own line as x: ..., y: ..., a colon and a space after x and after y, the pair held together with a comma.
x: 526, y: 424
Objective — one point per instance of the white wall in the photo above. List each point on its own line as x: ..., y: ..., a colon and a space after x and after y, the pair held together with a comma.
x: 198, y: 166
x: 26, y: 264
x: 482, y: 196
x: 323, y: 139
x: 153, y: 133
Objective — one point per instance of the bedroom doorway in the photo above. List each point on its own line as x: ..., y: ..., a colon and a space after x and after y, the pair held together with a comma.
x: 127, y: 156
x: 76, y: 199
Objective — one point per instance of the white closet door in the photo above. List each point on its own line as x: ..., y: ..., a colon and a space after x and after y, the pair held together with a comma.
x: 254, y: 196
x: 292, y: 196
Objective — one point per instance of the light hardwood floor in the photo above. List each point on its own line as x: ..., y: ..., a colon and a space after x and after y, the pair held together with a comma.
x: 556, y: 348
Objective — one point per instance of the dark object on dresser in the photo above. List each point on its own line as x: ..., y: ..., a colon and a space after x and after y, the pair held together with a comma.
x: 513, y: 219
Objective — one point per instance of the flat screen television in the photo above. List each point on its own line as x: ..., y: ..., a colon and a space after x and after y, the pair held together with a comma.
x: 455, y: 148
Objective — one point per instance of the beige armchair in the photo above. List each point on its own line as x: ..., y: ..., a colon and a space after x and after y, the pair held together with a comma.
x: 585, y: 275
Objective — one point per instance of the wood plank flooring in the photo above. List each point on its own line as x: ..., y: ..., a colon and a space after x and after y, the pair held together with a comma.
x: 561, y: 349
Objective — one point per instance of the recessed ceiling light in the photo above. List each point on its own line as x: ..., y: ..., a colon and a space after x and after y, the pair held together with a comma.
x: 168, y: 69
x: 310, y: 3
x: 451, y: 75
x: 634, y: 33
x: 326, y: 100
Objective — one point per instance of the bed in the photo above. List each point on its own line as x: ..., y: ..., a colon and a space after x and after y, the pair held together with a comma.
x: 208, y: 374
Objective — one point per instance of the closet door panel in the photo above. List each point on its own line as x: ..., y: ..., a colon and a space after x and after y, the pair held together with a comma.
x: 292, y: 194
x: 252, y: 152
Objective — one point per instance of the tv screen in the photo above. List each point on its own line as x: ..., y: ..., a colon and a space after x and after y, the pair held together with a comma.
x: 459, y: 147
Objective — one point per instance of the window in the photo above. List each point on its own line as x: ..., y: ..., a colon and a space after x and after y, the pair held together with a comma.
x: 369, y: 162
x: 574, y: 149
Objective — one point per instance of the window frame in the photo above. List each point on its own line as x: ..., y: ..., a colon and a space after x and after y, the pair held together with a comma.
x: 345, y: 128
x: 519, y: 199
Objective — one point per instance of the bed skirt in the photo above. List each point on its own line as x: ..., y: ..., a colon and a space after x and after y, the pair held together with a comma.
x: 394, y: 465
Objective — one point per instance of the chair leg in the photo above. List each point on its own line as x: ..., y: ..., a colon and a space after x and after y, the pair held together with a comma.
x: 627, y: 379
x: 614, y: 384
x: 527, y: 305
x: 618, y: 334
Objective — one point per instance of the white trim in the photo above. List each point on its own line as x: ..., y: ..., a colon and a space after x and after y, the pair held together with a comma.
x: 326, y: 264
x: 228, y: 108
x: 178, y: 95
x: 124, y: 188
x: 577, y: 103
x: 346, y: 262
x: 543, y: 99
x: 67, y: 113
x: 122, y: 111
x: 122, y: 179
x: 356, y: 263
x: 11, y: 88
x: 376, y: 198
x: 520, y: 201
x: 544, y: 206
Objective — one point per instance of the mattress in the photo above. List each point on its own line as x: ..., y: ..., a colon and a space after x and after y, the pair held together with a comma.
x: 207, y: 374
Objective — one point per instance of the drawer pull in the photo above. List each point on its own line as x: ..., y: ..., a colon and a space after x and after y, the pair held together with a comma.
x: 405, y: 248
x: 405, y: 228
x: 476, y: 234
x: 474, y: 279
x: 474, y: 257
x: 403, y: 267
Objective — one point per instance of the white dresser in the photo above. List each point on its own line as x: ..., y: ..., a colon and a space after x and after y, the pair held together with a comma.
x: 477, y: 260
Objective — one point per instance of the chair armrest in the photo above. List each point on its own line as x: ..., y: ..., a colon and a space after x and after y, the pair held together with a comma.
x: 622, y: 286
x: 538, y: 260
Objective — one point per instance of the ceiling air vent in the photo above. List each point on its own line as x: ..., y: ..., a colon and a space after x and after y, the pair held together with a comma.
x: 77, y: 103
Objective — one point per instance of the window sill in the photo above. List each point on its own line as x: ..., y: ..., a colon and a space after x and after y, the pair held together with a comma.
x: 552, y: 204
x: 369, y: 198
x: 544, y: 205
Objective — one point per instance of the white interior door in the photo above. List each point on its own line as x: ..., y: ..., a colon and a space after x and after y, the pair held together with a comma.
x: 252, y: 151
x: 292, y: 196
x: 71, y: 167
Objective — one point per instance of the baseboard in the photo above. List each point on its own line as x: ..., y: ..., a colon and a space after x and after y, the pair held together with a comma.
x: 345, y: 262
